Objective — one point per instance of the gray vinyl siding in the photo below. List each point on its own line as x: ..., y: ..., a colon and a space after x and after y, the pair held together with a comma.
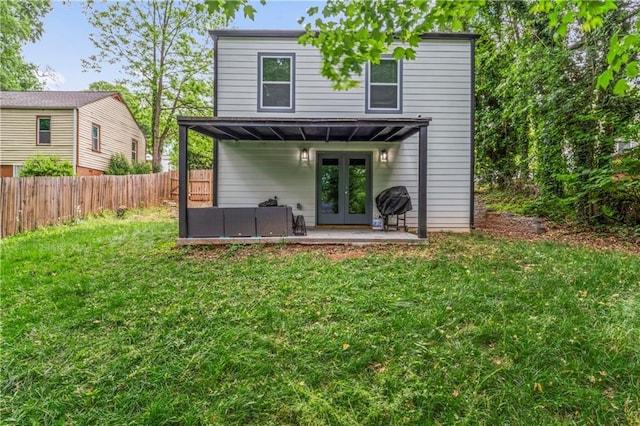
x: 437, y: 84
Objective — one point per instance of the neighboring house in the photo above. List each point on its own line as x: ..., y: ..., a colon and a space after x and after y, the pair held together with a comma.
x: 85, y: 128
x: 621, y: 147
x: 281, y: 130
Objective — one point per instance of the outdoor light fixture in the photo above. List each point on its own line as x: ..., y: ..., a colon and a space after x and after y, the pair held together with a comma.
x: 304, y: 155
x: 384, y: 156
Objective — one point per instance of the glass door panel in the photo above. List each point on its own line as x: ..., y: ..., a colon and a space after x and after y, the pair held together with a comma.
x: 344, y: 188
x: 329, y: 185
x: 357, y: 185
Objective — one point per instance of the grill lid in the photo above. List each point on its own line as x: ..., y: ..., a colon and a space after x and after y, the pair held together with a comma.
x: 394, y: 201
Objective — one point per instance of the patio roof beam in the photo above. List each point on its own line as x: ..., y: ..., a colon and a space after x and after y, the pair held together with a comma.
x: 275, y: 132
x: 375, y: 137
x: 203, y: 131
x: 394, y: 133
x: 244, y: 129
x: 229, y: 133
x: 352, y: 134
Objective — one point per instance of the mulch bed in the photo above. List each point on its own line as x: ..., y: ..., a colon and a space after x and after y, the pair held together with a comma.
x: 524, y: 228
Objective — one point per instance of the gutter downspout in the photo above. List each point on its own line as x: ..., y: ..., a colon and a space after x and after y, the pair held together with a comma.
x: 74, y: 160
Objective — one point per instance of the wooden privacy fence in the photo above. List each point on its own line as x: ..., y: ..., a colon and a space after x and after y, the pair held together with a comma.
x: 200, y: 185
x: 29, y: 203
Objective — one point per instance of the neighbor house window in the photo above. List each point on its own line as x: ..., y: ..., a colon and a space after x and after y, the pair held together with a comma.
x: 95, y: 137
x: 134, y: 150
x: 16, y: 169
x: 276, y: 82
x: 384, y: 86
x: 44, y: 131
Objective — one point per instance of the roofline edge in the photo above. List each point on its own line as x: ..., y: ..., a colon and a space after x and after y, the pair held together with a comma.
x: 228, y: 32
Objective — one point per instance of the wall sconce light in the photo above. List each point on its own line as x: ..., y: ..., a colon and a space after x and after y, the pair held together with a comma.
x: 304, y: 155
x: 384, y: 156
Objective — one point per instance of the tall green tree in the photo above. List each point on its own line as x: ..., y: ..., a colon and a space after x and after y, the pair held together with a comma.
x: 20, y: 23
x: 165, y: 54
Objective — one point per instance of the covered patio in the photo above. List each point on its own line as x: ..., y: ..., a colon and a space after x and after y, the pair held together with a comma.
x: 212, y: 225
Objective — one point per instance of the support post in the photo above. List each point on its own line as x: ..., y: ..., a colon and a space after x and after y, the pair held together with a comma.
x: 422, y: 182
x: 183, y: 181
x: 214, y: 199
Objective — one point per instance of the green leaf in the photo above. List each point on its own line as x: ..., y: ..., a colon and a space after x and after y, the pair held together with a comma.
x: 604, y: 79
x: 632, y: 69
x: 414, y: 40
x: 398, y: 53
x: 249, y: 12
x: 621, y: 87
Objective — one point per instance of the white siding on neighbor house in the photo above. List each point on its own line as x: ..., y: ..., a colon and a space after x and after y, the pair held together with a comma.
x: 18, y: 134
x: 117, y: 130
x: 437, y: 84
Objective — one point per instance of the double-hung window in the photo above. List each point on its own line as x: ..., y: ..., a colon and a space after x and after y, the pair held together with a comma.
x: 276, y: 82
x: 95, y: 137
x: 134, y: 150
x: 44, y: 130
x: 384, y: 86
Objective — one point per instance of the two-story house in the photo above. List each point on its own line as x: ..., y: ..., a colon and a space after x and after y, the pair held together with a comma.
x: 281, y: 130
x: 85, y: 128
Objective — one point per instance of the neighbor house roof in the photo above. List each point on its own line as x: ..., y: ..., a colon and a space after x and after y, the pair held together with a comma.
x: 52, y: 99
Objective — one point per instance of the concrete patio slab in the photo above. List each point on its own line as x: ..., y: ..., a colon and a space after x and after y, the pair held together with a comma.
x: 317, y: 237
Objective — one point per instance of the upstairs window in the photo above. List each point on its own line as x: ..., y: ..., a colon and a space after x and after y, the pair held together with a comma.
x: 44, y: 131
x: 95, y: 137
x: 384, y: 86
x: 134, y: 150
x: 276, y: 82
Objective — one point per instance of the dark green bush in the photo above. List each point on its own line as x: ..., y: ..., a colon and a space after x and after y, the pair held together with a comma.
x: 140, y: 168
x: 46, y: 165
x: 552, y: 207
x: 601, y: 196
x: 118, y: 165
x: 614, y: 190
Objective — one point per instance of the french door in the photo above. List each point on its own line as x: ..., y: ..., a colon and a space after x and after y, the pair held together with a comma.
x: 343, y: 195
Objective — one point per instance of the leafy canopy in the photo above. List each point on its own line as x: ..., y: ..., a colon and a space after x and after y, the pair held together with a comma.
x: 20, y: 23
x: 350, y: 33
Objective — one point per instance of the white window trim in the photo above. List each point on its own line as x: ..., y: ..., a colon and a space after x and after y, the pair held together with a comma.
x: 398, y: 84
x: 291, y: 82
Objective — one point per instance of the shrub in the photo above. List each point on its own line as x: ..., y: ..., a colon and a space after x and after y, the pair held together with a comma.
x: 614, y: 190
x: 118, y: 165
x: 140, y: 168
x: 46, y: 165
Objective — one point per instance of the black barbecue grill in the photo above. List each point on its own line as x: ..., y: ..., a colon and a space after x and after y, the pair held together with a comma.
x: 394, y: 201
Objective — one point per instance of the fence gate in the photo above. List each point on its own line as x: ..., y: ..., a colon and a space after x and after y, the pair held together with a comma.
x: 200, y: 185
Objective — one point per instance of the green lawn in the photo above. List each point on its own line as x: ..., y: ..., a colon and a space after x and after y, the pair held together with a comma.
x: 107, y: 322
